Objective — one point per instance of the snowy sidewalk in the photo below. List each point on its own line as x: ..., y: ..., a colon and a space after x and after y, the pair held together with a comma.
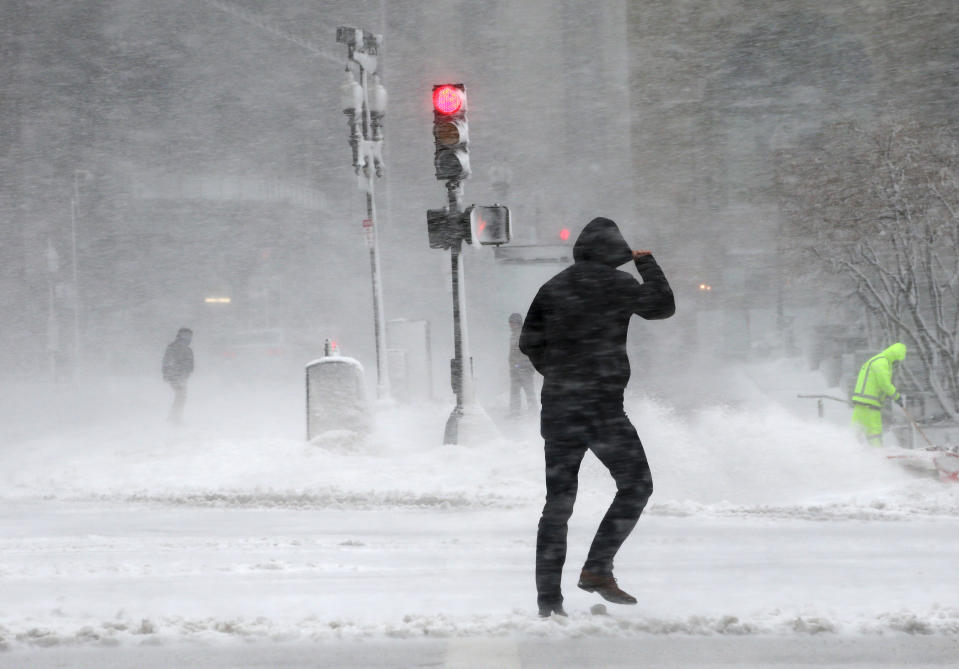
x: 770, y: 541
x: 84, y: 576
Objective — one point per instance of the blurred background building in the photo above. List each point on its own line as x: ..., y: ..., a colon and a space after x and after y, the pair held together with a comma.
x: 196, y: 155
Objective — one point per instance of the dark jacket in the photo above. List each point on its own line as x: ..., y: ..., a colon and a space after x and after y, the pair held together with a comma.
x: 177, y: 361
x: 575, y: 330
x: 517, y: 361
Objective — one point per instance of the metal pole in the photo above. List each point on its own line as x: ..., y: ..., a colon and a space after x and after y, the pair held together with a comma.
x: 363, y: 50
x: 451, y: 434
x: 466, y: 357
x: 76, y: 281
x: 51, y: 332
x: 457, y: 376
x: 461, y: 368
x: 780, y: 315
x: 379, y: 322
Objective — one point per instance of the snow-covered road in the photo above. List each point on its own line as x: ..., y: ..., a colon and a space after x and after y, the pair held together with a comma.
x: 770, y: 540
x: 82, y: 575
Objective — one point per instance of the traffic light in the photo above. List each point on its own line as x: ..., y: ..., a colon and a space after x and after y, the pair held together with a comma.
x: 450, y: 132
x: 488, y: 224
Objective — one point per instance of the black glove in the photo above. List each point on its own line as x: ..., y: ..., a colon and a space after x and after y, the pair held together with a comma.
x: 899, y: 401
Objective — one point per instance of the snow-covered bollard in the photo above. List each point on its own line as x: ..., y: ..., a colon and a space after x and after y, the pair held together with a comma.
x: 336, y: 397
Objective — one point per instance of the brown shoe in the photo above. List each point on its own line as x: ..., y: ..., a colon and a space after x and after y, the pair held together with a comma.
x: 605, y: 586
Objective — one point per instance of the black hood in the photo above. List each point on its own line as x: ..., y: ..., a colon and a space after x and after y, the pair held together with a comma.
x: 601, y: 241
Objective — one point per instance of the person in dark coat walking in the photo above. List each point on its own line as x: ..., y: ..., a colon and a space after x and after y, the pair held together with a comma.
x: 575, y: 336
x: 177, y: 367
x: 520, y: 371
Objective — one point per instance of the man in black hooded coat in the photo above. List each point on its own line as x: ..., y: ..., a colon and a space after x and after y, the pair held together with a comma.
x: 575, y: 336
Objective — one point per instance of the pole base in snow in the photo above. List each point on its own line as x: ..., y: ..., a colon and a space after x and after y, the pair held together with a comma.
x: 470, y: 425
x: 452, y: 426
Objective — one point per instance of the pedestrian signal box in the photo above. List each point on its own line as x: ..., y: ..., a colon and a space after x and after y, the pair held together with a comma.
x: 479, y: 224
x: 489, y: 225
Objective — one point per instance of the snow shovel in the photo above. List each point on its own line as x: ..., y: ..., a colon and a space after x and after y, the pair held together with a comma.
x: 916, y: 425
x: 820, y: 398
x: 946, y: 463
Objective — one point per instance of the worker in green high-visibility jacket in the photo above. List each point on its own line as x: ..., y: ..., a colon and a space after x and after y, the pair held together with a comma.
x: 873, y: 387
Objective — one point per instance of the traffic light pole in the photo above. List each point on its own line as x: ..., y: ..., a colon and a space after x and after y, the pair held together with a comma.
x: 456, y: 369
x: 448, y: 228
x: 461, y: 369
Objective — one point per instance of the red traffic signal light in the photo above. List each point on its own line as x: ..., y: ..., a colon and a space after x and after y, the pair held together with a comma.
x: 448, y: 99
x: 564, y: 234
x: 450, y: 132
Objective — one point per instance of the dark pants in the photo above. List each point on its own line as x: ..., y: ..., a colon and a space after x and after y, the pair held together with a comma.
x: 179, y: 400
x: 521, y: 380
x: 570, y: 429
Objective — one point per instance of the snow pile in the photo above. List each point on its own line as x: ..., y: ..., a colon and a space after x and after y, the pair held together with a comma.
x: 123, y: 630
x: 244, y: 445
x: 772, y: 463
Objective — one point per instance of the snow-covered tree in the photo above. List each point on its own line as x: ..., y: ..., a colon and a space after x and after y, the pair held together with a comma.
x: 879, y: 208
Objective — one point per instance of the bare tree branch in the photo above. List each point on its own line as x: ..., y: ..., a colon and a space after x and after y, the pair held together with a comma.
x: 880, y: 207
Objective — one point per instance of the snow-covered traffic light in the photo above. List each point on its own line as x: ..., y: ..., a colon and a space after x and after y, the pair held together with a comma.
x: 488, y: 224
x: 450, y: 132
x: 452, y: 225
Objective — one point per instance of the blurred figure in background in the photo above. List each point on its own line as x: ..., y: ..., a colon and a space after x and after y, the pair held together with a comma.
x: 520, y: 371
x: 873, y: 387
x: 177, y: 367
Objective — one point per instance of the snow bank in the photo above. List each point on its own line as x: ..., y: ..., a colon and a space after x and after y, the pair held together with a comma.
x: 243, y: 445
x: 125, y: 631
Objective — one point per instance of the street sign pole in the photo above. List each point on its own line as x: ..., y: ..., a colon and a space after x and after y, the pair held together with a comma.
x: 365, y: 106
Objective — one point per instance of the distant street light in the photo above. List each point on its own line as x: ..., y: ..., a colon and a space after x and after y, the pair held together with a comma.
x: 364, y: 103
